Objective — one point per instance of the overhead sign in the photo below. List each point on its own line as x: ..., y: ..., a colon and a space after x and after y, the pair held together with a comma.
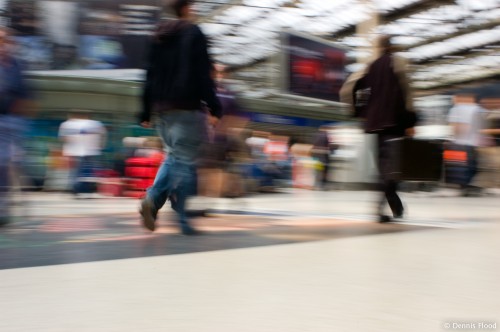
x: 312, y: 67
x: 107, y: 34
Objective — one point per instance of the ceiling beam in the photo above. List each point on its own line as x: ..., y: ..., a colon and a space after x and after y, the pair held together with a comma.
x: 440, y: 88
x: 413, y: 9
x: 472, y: 28
x: 219, y: 10
x: 397, y: 14
x: 452, y: 58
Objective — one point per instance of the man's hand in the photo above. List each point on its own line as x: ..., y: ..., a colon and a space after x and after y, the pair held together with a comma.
x: 146, y: 124
x: 410, y: 132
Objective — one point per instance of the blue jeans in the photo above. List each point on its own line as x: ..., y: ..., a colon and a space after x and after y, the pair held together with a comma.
x: 84, y: 169
x: 472, y: 164
x: 183, y: 133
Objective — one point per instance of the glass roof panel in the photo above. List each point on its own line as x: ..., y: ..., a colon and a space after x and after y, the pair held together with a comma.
x: 436, y: 34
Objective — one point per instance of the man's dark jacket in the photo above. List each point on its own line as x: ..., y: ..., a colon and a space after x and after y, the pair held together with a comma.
x: 178, y: 74
x: 387, y: 108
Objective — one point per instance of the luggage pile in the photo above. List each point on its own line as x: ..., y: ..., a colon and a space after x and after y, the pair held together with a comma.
x: 140, y: 173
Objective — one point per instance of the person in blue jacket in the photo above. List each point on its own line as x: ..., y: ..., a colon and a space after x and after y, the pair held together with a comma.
x: 13, y: 94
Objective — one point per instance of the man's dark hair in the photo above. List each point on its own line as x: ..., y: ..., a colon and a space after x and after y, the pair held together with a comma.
x: 79, y: 114
x: 176, y: 6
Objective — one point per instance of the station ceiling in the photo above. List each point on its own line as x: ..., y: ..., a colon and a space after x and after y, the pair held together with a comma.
x: 448, y: 42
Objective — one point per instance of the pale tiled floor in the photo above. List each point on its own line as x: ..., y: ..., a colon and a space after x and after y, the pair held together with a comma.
x: 443, y: 204
x: 410, y: 281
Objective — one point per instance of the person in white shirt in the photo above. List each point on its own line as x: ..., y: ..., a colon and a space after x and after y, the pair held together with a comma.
x: 466, y: 118
x: 83, y: 140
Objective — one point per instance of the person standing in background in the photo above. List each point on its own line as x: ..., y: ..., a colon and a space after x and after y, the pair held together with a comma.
x: 492, y: 131
x: 83, y: 141
x: 14, y: 95
x: 321, y: 152
x: 178, y: 80
x: 466, y: 118
x: 489, y: 152
x: 223, y: 154
x: 387, y: 111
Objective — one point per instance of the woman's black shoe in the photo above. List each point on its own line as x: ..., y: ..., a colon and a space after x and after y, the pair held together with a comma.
x: 384, y: 218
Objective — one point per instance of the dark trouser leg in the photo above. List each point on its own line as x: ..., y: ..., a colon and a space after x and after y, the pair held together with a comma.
x: 326, y: 171
x: 75, y: 174
x: 472, y: 164
x: 471, y: 171
x: 387, y: 186
x: 4, y: 192
x: 390, y: 187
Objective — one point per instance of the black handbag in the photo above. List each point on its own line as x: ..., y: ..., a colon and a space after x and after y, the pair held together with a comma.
x: 416, y: 159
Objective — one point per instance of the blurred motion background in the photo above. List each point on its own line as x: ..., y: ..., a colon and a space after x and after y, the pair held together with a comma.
x: 285, y: 61
x: 285, y: 140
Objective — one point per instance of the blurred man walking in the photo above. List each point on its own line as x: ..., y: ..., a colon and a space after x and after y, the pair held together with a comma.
x: 178, y: 80
x: 388, y: 114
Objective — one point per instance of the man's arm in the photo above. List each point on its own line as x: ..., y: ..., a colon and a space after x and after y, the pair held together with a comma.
x: 348, y: 91
x: 459, y: 128
x: 491, y: 131
x: 456, y: 121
